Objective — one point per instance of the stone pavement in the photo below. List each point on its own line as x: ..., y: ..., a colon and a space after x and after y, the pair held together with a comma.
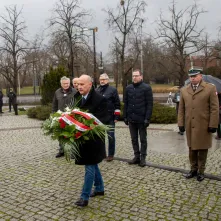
x: 36, y: 186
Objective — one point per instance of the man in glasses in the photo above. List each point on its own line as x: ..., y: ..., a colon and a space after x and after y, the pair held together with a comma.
x: 113, y: 104
x: 138, y: 105
x: 198, y: 115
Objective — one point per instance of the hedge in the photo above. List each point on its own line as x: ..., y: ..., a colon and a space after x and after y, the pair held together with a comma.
x: 162, y: 114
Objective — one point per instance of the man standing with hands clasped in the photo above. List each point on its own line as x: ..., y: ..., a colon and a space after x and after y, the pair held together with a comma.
x: 113, y: 105
x: 198, y: 115
x: 138, y: 105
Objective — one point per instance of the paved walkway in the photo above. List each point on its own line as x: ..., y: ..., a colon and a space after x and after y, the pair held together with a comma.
x: 37, y: 186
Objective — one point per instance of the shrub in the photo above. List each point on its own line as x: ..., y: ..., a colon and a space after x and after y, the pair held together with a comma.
x: 43, y: 113
x: 161, y: 114
x: 39, y: 112
x: 32, y: 113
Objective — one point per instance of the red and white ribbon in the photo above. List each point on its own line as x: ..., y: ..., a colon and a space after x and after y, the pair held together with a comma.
x: 80, y: 126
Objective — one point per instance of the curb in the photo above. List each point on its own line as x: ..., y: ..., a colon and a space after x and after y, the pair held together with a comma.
x: 172, y: 169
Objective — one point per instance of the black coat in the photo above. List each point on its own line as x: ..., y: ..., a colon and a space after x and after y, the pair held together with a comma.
x: 92, y: 151
x: 138, y: 102
x: 113, y: 100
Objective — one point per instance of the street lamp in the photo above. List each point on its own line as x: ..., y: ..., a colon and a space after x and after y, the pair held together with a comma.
x: 94, y: 46
x: 141, y: 47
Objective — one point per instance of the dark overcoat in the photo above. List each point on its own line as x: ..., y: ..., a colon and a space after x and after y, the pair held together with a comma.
x: 197, y: 111
x: 92, y: 151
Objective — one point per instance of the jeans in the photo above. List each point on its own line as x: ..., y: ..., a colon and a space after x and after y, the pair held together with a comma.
x: 135, y: 129
x: 111, y: 139
x: 92, y: 176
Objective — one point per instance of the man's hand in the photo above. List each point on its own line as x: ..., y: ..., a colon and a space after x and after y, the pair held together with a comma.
x: 146, y: 123
x: 211, y: 130
x: 126, y: 121
x: 182, y: 129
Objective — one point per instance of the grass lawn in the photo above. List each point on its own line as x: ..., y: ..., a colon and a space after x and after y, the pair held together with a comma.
x: 25, y: 90
x: 157, y: 88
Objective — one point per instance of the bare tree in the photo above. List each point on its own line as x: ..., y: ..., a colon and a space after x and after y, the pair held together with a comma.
x: 13, y: 47
x: 67, y: 20
x: 125, y: 21
x: 180, y: 33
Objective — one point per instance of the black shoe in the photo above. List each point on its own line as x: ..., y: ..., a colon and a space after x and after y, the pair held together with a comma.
x: 200, y: 177
x: 59, y: 155
x: 81, y: 203
x: 93, y: 194
x: 191, y: 174
x: 134, y: 161
x: 181, y: 133
x: 142, y: 163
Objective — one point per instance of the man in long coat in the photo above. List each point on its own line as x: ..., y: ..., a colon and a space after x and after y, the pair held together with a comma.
x: 199, y: 115
x: 92, y: 152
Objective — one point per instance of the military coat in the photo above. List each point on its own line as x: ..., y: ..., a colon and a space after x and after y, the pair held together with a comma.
x: 197, y: 111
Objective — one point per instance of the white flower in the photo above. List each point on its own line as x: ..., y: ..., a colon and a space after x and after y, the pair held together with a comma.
x: 67, y: 109
x: 59, y: 112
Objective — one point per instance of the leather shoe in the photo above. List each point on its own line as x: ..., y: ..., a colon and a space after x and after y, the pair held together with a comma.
x: 191, y: 174
x: 134, y: 161
x: 142, y: 163
x: 81, y: 203
x: 93, y: 194
x: 200, y: 177
x: 109, y: 159
x: 59, y: 155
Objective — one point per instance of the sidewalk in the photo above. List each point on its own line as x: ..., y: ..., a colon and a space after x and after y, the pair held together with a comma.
x: 37, y: 186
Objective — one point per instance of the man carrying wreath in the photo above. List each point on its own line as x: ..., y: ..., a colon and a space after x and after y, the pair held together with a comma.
x: 92, y: 151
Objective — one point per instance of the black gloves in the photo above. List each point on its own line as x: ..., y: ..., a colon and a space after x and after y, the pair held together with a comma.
x: 146, y: 123
x: 126, y: 121
x: 182, y: 129
x: 211, y: 130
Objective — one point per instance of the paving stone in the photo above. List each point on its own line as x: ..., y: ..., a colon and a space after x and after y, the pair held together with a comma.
x: 37, y: 186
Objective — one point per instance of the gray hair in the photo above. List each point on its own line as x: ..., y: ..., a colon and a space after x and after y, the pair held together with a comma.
x: 105, y: 76
x: 64, y: 78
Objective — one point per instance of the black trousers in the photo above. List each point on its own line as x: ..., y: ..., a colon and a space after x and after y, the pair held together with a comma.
x: 138, y: 129
x: 198, y: 160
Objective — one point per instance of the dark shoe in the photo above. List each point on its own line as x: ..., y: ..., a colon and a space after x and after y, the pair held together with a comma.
x: 81, y: 203
x: 181, y: 133
x: 93, y: 194
x: 134, y: 161
x: 217, y: 138
x: 142, y: 163
x: 191, y: 174
x: 109, y: 159
x: 200, y: 177
x: 59, y: 155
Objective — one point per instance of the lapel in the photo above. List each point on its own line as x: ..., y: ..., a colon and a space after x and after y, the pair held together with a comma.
x: 200, y: 88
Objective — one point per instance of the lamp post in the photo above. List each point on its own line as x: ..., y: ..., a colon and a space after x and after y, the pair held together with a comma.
x: 94, y: 47
x: 141, y: 46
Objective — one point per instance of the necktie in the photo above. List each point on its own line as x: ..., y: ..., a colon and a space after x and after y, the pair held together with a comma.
x: 194, y: 88
x: 83, y: 101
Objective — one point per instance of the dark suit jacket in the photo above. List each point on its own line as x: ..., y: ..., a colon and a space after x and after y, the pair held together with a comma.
x: 92, y: 151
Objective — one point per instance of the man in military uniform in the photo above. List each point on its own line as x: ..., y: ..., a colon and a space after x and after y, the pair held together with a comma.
x: 198, y: 114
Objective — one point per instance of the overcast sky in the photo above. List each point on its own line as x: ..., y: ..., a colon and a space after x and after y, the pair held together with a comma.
x: 36, y: 12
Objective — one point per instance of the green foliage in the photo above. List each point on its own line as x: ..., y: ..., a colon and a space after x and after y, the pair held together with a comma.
x: 162, y: 114
x: 43, y: 112
x: 32, y: 112
x: 39, y: 112
x: 51, y: 82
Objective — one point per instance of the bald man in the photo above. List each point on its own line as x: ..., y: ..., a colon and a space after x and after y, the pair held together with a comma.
x: 75, y: 83
x: 91, y: 152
